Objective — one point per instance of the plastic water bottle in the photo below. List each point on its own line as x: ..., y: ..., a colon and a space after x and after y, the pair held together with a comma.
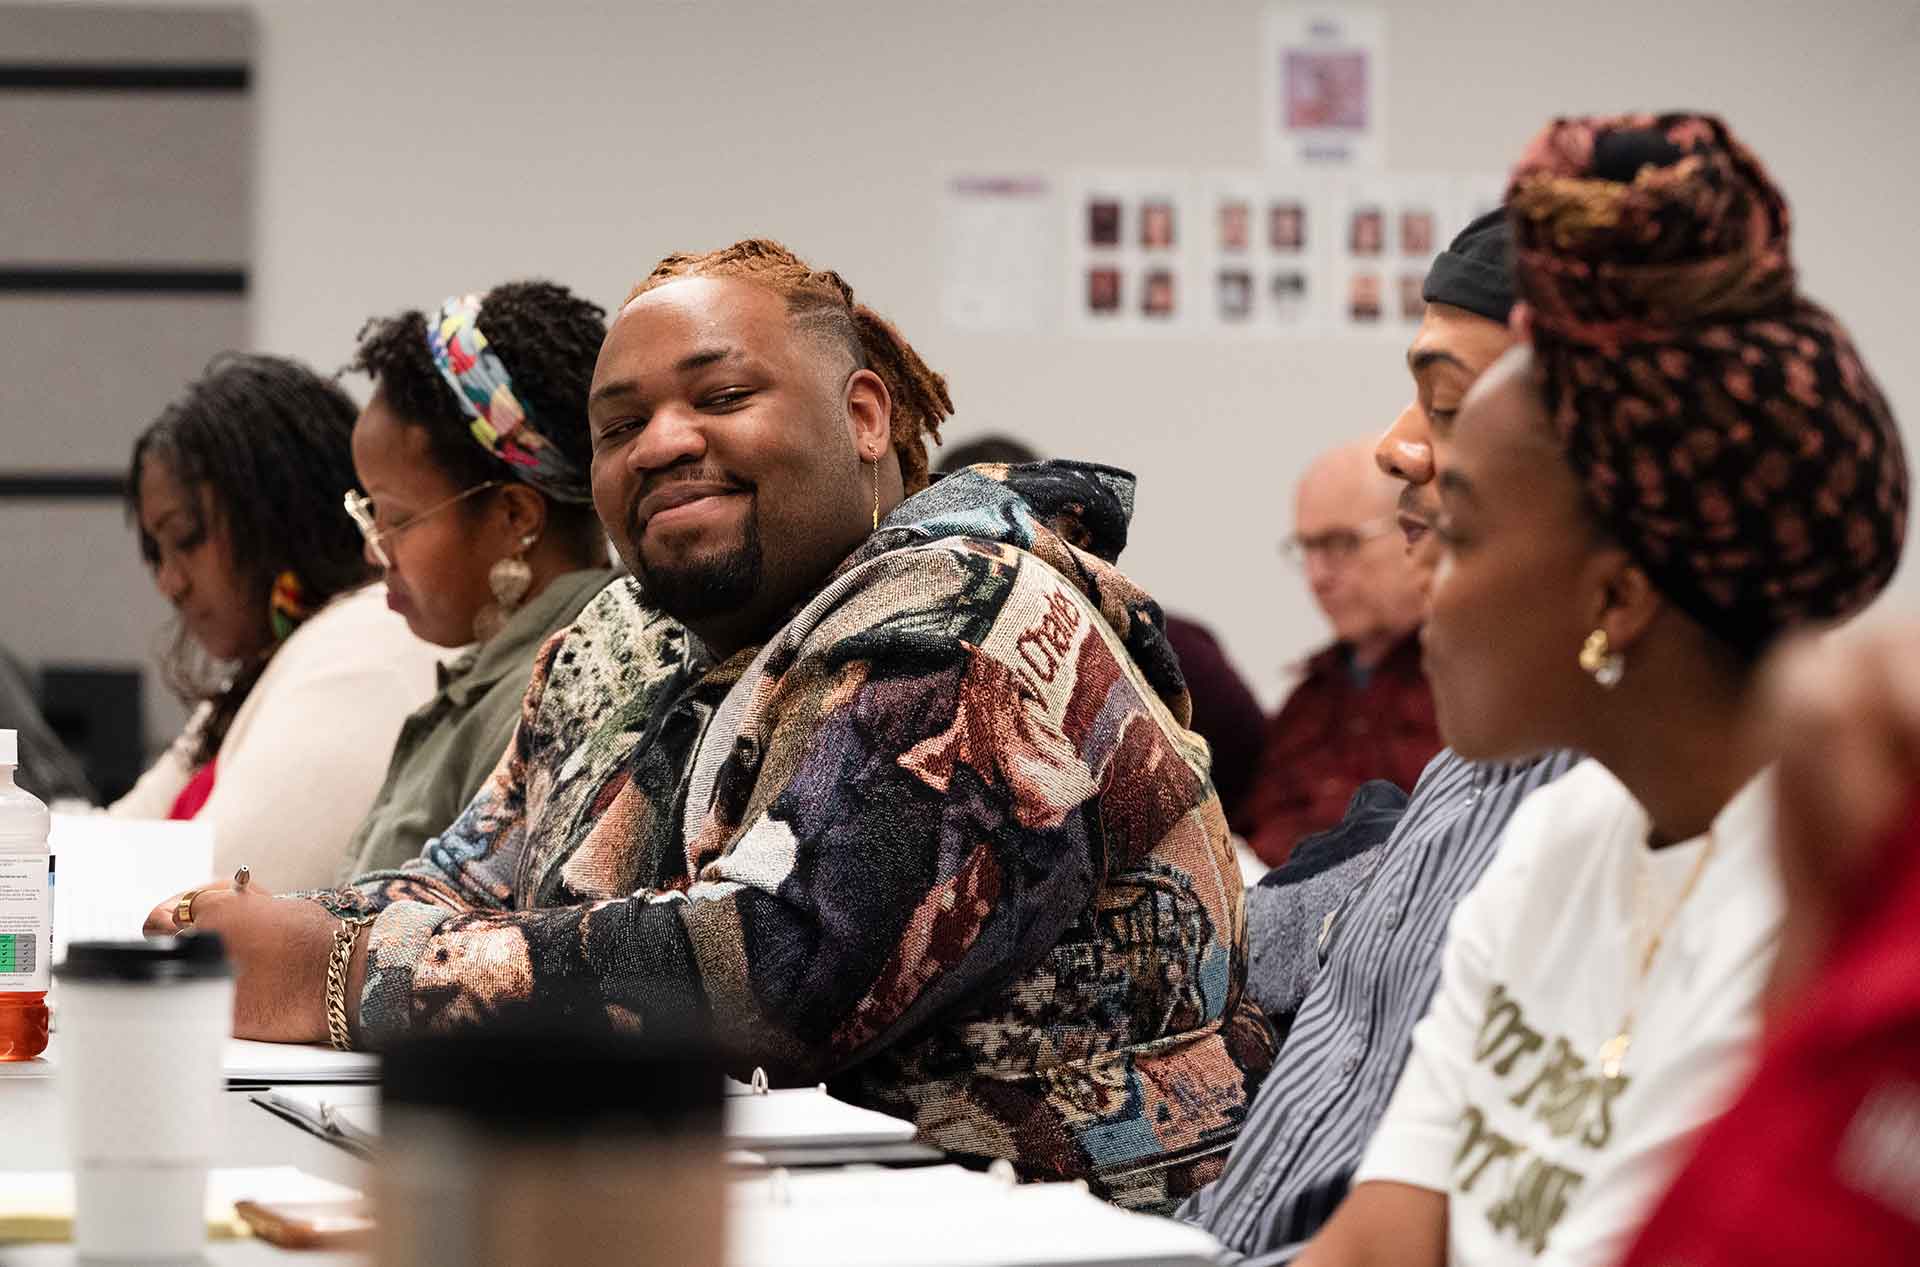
x: 26, y: 911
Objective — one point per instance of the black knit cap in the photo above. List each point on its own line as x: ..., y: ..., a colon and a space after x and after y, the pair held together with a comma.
x: 1476, y: 271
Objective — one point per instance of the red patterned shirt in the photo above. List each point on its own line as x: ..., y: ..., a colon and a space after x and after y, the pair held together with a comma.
x: 1336, y: 731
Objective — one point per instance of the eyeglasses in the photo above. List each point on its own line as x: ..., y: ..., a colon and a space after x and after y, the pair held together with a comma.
x: 1339, y: 545
x: 359, y: 508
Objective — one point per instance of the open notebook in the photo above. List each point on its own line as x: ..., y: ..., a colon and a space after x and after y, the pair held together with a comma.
x: 944, y: 1216
x: 797, y: 1127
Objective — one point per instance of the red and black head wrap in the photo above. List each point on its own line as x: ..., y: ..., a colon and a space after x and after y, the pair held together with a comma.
x: 1724, y: 427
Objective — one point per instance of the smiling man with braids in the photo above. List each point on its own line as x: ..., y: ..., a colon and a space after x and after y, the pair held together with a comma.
x: 890, y: 784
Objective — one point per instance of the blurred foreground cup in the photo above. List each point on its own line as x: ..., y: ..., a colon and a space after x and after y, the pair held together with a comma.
x: 142, y: 1029
x: 546, y: 1147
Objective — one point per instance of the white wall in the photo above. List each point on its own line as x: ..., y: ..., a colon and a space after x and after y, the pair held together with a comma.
x: 409, y: 149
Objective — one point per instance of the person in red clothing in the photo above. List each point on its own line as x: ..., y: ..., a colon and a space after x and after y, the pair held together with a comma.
x: 1818, y: 1160
x: 1362, y: 709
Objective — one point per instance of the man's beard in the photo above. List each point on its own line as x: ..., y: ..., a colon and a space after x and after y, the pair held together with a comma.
x: 712, y: 587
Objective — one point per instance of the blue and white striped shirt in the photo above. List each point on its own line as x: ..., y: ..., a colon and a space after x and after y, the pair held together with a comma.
x: 1380, y: 956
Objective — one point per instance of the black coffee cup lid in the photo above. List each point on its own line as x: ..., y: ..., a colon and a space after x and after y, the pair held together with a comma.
x: 559, y: 1078
x: 196, y: 957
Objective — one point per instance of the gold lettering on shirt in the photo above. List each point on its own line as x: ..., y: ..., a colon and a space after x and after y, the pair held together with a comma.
x: 1557, y: 1088
x: 1504, y: 1022
x: 1491, y: 1145
x: 1570, y: 1098
x: 1535, y: 1203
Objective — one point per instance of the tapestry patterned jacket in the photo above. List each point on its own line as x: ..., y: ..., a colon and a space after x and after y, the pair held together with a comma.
x: 944, y: 842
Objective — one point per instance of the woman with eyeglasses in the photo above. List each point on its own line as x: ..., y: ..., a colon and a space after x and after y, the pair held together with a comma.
x: 300, y: 675
x: 473, y: 456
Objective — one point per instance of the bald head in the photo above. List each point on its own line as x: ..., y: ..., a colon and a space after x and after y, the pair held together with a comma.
x: 1343, y: 487
x: 1356, y: 561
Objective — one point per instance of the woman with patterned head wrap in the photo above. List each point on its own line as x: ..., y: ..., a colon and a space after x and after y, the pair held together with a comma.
x: 1684, y: 460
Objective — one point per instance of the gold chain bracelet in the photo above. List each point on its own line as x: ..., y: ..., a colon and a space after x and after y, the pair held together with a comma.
x: 343, y: 939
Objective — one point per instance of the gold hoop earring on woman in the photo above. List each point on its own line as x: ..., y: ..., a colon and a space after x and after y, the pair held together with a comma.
x: 1605, y: 664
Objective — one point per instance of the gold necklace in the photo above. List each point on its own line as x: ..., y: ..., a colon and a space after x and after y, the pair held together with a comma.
x: 1613, y: 1052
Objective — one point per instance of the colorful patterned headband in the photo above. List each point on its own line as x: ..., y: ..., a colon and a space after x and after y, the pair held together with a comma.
x: 482, y: 386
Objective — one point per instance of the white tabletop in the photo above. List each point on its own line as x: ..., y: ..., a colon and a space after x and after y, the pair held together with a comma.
x: 30, y: 1123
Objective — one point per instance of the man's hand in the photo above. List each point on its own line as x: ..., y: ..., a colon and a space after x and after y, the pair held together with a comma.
x: 279, y: 950
x: 1845, y: 717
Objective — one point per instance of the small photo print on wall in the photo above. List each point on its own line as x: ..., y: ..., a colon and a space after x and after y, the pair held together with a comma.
x: 1234, y: 288
x: 1103, y: 291
x: 1286, y: 226
x: 1288, y: 293
x: 1158, y: 295
x: 1235, y: 232
x: 1416, y: 231
x: 1412, y: 306
x: 1103, y: 222
x: 1366, y: 232
x: 1157, y: 224
x: 1363, y: 298
x: 1327, y: 88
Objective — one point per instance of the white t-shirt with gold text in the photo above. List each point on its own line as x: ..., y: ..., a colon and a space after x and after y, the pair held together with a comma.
x: 1503, y: 1105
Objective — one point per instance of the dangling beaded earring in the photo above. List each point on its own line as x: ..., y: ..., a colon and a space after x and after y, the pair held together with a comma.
x: 286, y: 606
x: 876, y: 493
x: 509, y: 579
x: 1598, y: 658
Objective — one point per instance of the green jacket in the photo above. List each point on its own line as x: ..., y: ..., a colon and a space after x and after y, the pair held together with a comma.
x: 448, y: 748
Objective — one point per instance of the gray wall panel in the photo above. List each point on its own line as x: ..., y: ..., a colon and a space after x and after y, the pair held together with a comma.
x: 151, y: 36
x: 148, y: 177
x: 81, y: 375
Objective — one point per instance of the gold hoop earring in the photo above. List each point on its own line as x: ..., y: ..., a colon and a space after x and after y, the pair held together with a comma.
x: 1605, y: 664
x: 509, y: 580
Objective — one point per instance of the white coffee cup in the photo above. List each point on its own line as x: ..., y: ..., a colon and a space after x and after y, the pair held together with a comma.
x: 142, y: 1027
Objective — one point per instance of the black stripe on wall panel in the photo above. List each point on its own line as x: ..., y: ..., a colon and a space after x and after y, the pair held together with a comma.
x: 120, y: 279
x: 63, y: 485
x: 125, y: 78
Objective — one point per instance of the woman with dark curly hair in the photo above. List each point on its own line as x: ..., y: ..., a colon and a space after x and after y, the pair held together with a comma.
x: 301, y: 675
x: 1684, y: 460
x: 473, y: 454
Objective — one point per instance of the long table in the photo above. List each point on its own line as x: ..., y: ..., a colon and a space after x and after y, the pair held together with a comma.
x: 33, y: 1137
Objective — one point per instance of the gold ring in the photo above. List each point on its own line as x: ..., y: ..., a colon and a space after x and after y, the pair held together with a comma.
x: 183, y: 909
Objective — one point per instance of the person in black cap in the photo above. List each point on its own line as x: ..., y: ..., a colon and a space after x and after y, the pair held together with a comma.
x: 1345, y: 938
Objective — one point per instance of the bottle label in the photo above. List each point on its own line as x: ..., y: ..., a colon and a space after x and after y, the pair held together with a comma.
x: 26, y: 922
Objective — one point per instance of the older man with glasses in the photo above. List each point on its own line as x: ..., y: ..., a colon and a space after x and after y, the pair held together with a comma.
x: 1361, y: 710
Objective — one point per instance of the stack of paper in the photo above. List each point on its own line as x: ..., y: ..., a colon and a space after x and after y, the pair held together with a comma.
x: 807, y: 1116
x: 250, y: 1062
x: 244, y: 1062
x: 109, y: 873
x: 944, y: 1217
